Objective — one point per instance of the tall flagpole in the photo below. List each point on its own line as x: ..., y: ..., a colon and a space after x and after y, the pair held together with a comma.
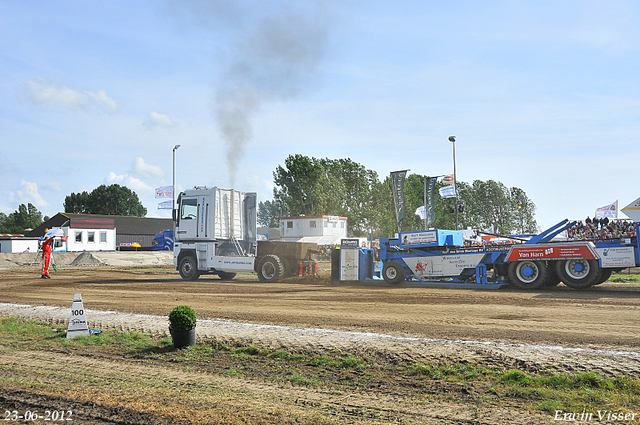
x: 425, y: 203
x: 173, y: 188
x: 452, y: 139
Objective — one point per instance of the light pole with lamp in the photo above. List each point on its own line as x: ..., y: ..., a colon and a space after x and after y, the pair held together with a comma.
x: 173, y: 188
x: 452, y: 139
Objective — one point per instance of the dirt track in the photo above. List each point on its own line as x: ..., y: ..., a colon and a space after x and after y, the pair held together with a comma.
x: 558, y: 329
x: 602, y: 319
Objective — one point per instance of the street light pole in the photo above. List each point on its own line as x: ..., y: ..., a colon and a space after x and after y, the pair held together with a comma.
x: 173, y: 188
x: 452, y: 139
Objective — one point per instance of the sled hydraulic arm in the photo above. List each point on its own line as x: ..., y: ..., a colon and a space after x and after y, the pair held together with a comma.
x: 551, y: 232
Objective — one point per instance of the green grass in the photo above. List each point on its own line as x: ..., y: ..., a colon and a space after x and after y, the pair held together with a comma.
x: 625, y: 277
x: 545, y: 391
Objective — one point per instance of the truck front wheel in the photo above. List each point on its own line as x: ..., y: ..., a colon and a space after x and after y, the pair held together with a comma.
x: 528, y: 274
x: 579, y: 273
x: 393, y: 272
x: 188, y: 268
x: 270, y: 269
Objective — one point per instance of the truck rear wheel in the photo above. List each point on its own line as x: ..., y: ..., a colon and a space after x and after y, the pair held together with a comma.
x: 393, y: 272
x: 188, y: 268
x: 605, y: 274
x: 578, y: 273
x: 528, y: 274
x: 552, y: 278
x: 270, y: 269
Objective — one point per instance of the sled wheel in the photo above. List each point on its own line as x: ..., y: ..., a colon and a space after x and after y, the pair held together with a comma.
x: 226, y: 276
x: 393, y: 273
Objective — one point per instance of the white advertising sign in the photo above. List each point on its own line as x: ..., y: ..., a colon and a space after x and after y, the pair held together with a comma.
x: 617, y: 257
x: 349, y: 262
x: 419, y: 238
x: 447, y: 191
x: 425, y: 266
x: 443, y: 265
x: 453, y: 265
x: 164, y: 192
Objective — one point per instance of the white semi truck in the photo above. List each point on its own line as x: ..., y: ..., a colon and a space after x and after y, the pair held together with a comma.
x: 216, y: 232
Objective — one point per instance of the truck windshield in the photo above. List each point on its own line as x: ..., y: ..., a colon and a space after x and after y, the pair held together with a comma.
x: 189, y: 209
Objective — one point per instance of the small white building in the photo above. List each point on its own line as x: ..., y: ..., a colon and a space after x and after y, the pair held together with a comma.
x: 321, y: 229
x: 90, y: 234
x: 84, y: 232
x: 17, y: 243
x: 93, y: 232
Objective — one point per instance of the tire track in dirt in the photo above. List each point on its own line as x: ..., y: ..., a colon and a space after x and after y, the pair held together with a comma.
x: 532, y: 358
x: 247, y: 393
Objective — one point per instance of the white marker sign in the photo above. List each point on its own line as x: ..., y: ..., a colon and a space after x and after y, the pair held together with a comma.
x: 78, y: 320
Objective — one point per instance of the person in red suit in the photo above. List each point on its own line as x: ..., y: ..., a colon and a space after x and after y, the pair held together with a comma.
x: 46, y: 257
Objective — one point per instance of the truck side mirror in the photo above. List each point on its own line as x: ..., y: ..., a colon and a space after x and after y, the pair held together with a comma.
x: 174, y: 214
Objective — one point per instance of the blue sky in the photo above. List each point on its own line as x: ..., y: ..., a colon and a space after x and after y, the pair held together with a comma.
x: 541, y: 95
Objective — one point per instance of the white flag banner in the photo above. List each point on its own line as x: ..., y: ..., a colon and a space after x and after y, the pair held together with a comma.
x: 610, y: 211
x: 166, y: 205
x: 448, y: 191
x: 164, y: 192
x: 421, y: 212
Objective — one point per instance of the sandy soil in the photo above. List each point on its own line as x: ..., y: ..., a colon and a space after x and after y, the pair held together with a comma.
x: 558, y: 328
x: 595, y: 329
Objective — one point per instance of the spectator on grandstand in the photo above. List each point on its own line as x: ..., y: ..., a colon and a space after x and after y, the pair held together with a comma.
x: 602, y: 229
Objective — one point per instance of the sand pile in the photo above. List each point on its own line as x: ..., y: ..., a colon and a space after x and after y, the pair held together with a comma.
x: 85, y: 259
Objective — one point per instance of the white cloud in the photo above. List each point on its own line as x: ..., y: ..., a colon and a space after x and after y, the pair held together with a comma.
x: 142, y: 169
x: 103, y: 100
x: 135, y: 177
x: 156, y: 119
x: 129, y: 181
x: 28, y: 194
x: 41, y: 91
x: 138, y: 186
x: 113, y: 178
x: 53, y: 186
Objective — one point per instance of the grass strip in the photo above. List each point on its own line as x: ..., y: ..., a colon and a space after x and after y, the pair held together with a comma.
x: 463, y: 382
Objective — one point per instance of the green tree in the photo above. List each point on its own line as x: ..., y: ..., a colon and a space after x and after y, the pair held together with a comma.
x: 25, y: 217
x: 524, y: 211
x: 312, y: 186
x: 77, y: 203
x: 269, y: 213
x: 383, y: 214
x: 107, y: 200
x: 482, y: 205
x: 489, y: 206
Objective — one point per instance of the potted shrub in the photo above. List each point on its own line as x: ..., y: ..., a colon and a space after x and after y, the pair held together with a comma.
x: 182, y: 326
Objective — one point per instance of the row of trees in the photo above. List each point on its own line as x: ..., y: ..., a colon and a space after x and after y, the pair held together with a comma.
x: 106, y: 200
x: 25, y: 217
x: 311, y: 186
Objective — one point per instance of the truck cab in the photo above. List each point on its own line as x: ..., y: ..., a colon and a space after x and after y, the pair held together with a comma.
x: 215, y: 232
x: 163, y: 241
